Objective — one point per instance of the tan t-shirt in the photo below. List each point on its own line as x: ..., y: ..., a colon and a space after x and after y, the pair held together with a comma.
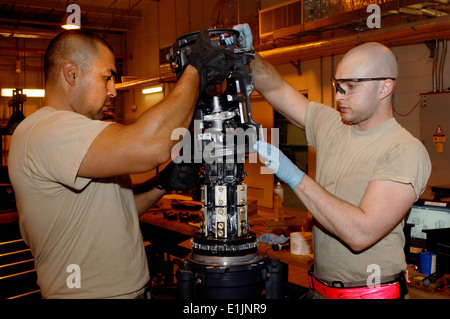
x: 347, y: 160
x: 83, y: 233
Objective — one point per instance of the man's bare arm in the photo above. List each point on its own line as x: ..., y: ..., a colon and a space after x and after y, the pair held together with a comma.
x: 383, y: 206
x: 145, y: 144
x: 280, y: 94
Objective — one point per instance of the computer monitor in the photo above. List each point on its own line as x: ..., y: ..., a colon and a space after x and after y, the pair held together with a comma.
x: 425, y: 215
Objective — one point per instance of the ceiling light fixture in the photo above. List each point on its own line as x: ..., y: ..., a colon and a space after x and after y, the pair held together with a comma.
x: 154, y: 89
x: 19, y: 35
x: 72, y: 18
x: 27, y: 92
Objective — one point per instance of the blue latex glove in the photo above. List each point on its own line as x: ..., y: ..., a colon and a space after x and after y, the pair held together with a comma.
x: 245, y: 35
x: 279, y: 163
x: 245, y: 39
x: 273, y: 239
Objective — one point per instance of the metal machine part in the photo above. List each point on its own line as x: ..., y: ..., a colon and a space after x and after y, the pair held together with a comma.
x: 223, y: 134
x: 224, y: 262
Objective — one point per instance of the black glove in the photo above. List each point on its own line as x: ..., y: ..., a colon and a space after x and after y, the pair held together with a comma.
x: 211, y: 63
x: 179, y: 177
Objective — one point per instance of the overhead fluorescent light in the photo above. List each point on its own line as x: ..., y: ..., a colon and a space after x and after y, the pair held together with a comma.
x: 19, y: 35
x: 27, y: 92
x: 154, y: 89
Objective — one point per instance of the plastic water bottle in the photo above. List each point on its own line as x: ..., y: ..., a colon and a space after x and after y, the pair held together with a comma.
x: 278, y: 202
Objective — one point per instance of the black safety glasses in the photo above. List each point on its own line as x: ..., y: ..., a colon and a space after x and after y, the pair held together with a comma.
x: 349, y: 86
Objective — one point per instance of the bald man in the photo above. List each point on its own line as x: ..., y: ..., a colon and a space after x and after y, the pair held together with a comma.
x: 70, y: 172
x: 370, y: 171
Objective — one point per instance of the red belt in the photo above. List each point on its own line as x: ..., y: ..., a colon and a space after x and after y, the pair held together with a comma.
x: 384, y: 291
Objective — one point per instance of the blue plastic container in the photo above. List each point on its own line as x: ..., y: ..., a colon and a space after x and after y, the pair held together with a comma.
x: 427, y: 262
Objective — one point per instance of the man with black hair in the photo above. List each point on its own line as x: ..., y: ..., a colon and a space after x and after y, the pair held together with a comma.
x: 70, y: 171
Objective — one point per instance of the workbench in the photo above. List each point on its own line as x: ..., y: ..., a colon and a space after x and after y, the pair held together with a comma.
x: 298, y: 265
x: 156, y: 217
